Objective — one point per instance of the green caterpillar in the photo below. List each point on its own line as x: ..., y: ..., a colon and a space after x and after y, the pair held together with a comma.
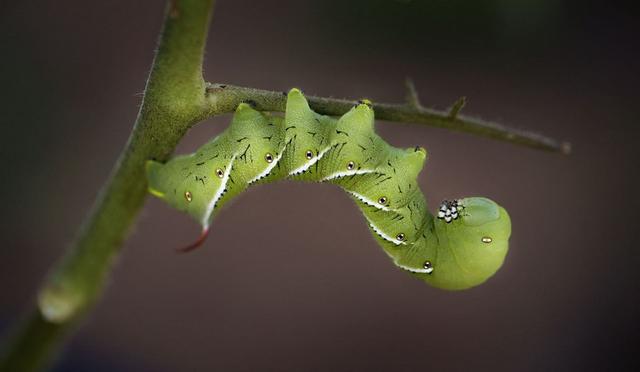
x: 461, y: 247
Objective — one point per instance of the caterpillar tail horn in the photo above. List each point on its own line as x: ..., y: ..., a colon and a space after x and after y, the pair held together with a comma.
x: 197, y: 244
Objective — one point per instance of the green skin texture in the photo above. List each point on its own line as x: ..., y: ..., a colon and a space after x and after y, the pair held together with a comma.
x: 303, y: 145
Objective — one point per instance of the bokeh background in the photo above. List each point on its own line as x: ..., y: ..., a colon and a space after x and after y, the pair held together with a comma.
x: 290, y: 278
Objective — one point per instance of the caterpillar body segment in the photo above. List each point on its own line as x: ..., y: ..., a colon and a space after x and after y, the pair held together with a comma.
x: 460, y: 247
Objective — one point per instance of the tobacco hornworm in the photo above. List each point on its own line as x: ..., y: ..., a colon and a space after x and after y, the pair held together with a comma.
x: 461, y: 247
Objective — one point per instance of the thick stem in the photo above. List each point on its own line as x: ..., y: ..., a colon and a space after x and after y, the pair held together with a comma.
x: 223, y: 98
x: 173, y: 100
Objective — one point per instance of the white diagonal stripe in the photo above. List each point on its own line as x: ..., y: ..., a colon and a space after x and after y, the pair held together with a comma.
x: 219, y: 192
x: 370, y: 202
x: 414, y: 270
x: 269, y: 167
x: 384, y: 235
x: 308, y: 164
x: 348, y: 173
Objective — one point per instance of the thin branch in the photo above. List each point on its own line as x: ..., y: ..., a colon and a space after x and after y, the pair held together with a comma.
x: 412, y: 94
x: 457, y: 107
x: 223, y: 98
x: 173, y: 101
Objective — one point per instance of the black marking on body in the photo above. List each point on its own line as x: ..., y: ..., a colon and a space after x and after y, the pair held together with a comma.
x: 362, y: 147
x: 313, y: 134
x: 201, y: 179
x: 287, y: 128
x: 243, y: 156
x: 341, y: 132
x: 384, y: 180
x: 397, y: 217
x: 201, y: 163
x: 411, y: 215
x: 268, y: 138
x: 342, y: 145
x: 242, y: 139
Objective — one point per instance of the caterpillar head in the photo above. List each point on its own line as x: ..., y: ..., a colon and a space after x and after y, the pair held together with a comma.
x: 190, y: 184
x: 468, y: 245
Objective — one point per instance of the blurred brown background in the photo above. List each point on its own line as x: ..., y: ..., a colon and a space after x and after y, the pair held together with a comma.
x: 290, y: 278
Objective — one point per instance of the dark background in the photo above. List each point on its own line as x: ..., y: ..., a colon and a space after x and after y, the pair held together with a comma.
x: 290, y: 278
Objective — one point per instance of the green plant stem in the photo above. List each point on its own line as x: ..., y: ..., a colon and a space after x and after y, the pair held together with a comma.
x: 224, y: 98
x: 173, y: 101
